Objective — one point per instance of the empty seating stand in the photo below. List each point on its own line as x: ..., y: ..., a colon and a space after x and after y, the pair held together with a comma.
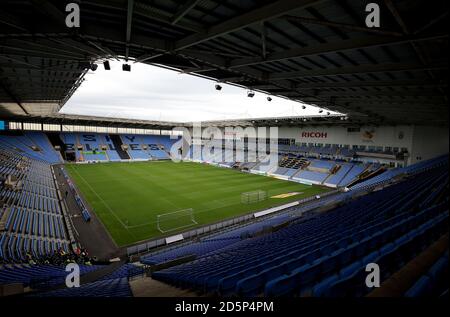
x: 39, y: 275
x: 104, y: 288
x: 34, y: 222
x: 114, y: 284
x: 434, y: 283
x: 322, y: 255
x: 34, y: 145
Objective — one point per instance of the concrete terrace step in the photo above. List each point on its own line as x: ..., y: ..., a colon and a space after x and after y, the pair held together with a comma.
x: 148, y: 287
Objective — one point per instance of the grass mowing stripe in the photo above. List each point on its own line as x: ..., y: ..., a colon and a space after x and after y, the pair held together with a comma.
x: 136, y: 193
x: 104, y: 202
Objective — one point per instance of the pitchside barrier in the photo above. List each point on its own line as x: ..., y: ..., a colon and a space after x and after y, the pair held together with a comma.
x: 159, y: 245
x: 155, y: 244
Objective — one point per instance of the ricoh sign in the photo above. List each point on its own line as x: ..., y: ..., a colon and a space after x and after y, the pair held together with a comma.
x: 314, y: 134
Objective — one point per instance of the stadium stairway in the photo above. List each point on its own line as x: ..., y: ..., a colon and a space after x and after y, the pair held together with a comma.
x: 148, y: 287
x: 389, y: 256
x: 101, y: 273
x: 389, y: 221
x: 434, y: 282
x: 404, y: 281
x: 213, y: 242
x: 117, y: 141
x: 392, y: 225
x: 55, y: 141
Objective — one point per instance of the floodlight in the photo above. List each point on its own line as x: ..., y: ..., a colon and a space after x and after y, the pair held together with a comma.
x: 250, y: 93
x: 269, y: 99
x: 218, y: 87
x: 106, y: 65
x: 126, y: 67
x: 93, y: 67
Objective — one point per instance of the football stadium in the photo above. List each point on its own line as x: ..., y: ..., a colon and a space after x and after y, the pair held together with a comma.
x: 345, y: 196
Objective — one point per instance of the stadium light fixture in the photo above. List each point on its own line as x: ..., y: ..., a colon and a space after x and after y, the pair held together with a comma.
x: 218, y: 87
x: 303, y: 107
x: 320, y: 111
x: 328, y: 113
x: 126, y: 67
x: 106, y: 65
x: 250, y: 93
x: 93, y: 67
x: 269, y: 98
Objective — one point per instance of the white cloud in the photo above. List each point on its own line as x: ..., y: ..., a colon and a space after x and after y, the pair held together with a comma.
x: 154, y: 93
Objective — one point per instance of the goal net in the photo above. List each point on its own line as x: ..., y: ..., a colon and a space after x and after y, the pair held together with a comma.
x: 175, y: 220
x: 253, y: 196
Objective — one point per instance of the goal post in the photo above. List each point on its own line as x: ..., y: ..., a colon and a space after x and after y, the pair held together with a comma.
x: 175, y: 220
x: 253, y: 196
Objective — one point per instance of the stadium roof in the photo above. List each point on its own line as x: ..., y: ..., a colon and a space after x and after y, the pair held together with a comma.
x: 71, y: 119
x: 318, y: 51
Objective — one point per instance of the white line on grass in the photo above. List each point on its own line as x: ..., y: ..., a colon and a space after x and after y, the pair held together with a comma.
x: 223, y: 203
x: 196, y: 212
x: 103, y: 201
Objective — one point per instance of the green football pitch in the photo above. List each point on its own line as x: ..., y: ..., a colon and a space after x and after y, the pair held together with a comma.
x: 128, y: 197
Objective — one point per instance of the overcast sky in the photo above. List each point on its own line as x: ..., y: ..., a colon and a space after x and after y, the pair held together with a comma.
x: 154, y: 93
